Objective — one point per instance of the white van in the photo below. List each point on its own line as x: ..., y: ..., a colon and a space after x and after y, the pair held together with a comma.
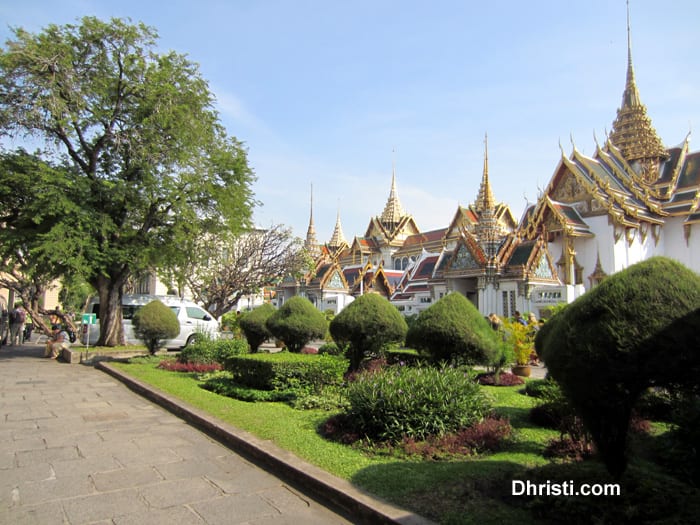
x: 193, y: 320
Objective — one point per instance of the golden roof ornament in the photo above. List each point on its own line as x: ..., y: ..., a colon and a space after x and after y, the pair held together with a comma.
x: 632, y: 131
x: 487, y: 230
x: 393, y: 211
x: 485, y: 200
x: 337, y: 239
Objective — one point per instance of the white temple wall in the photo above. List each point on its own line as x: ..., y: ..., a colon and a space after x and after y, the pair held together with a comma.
x: 335, y: 302
x: 488, y: 300
x: 694, y: 249
x: 686, y: 252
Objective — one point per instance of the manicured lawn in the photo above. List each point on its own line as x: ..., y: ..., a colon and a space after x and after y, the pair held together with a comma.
x: 458, y: 491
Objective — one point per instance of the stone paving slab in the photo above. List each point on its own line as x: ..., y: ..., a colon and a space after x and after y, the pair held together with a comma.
x: 78, y: 447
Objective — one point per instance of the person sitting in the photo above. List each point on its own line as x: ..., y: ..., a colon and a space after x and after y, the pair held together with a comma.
x: 57, y: 342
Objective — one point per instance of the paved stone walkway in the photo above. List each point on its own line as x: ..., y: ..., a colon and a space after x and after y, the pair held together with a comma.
x: 78, y: 447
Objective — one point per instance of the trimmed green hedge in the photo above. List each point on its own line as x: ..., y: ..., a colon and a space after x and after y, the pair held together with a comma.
x: 206, y: 351
x: 285, y: 370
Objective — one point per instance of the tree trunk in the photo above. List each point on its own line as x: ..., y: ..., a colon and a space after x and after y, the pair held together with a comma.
x: 109, y: 291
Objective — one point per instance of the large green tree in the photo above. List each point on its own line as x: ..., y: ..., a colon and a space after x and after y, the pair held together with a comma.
x: 151, y: 163
x: 31, y: 204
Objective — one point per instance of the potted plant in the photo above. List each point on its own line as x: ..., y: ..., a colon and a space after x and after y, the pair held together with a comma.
x: 522, y: 340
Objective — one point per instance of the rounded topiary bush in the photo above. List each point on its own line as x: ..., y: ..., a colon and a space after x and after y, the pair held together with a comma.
x: 154, y: 324
x: 638, y: 328
x: 253, y: 325
x: 296, y: 323
x: 367, y: 324
x: 414, y: 402
x: 453, y: 328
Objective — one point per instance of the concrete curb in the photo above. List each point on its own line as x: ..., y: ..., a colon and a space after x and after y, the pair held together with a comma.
x: 338, y: 492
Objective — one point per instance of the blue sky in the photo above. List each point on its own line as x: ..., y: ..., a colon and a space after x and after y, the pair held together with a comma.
x: 334, y: 93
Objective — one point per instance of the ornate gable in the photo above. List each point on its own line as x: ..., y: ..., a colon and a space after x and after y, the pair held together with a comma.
x: 467, y: 257
x: 334, y: 279
x: 463, y: 259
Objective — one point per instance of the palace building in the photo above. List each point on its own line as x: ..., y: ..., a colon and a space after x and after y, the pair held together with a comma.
x: 479, y: 254
x: 632, y: 199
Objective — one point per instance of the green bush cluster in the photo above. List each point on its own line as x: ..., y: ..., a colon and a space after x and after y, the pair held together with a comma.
x: 223, y: 385
x: 253, y: 325
x: 415, y: 402
x: 154, y: 324
x: 454, y: 329
x: 296, y: 323
x: 367, y: 325
x: 331, y: 349
x: 205, y: 351
x: 545, y: 389
x: 284, y: 370
x: 404, y: 356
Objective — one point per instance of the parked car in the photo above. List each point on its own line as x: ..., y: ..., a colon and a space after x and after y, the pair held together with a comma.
x: 194, y: 320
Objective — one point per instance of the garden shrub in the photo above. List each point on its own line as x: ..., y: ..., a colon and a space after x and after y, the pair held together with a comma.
x: 657, y: 404
x: 500, y: 379
x: 224, y: 349
x: 366, y: 325
x: 225, y: 386
x: 453, y: 329
x: 331, y: 349
x: 415, y: 402
x: 283, y: 370
x: 296, y: 323
x: 154, y: 324
x: 199, y: 368
x: 230, y: 323
x: 205, y: 351
x: 542, y: 388
x: 201, y: 351
x: 487, y: 435
x: 253, y: 325
x: 637, y: 329
x: 679, y: 450
x: 403, y: 356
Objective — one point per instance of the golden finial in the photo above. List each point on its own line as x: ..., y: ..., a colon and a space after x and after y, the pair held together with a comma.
x: 485, y: 199
x: 393, y: 211
x: 337, y: 238
x: 632, y: 131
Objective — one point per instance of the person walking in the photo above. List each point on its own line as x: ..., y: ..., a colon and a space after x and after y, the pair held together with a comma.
x: 4, y: 325
x: 18, y: 317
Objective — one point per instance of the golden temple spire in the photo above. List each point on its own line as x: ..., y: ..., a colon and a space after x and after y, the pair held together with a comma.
x: 487, y: 230
x: 311, y: 244
x: 393, y: 211
x: 485, y: 200
x: 632, y: 131
x: 337, y: 239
